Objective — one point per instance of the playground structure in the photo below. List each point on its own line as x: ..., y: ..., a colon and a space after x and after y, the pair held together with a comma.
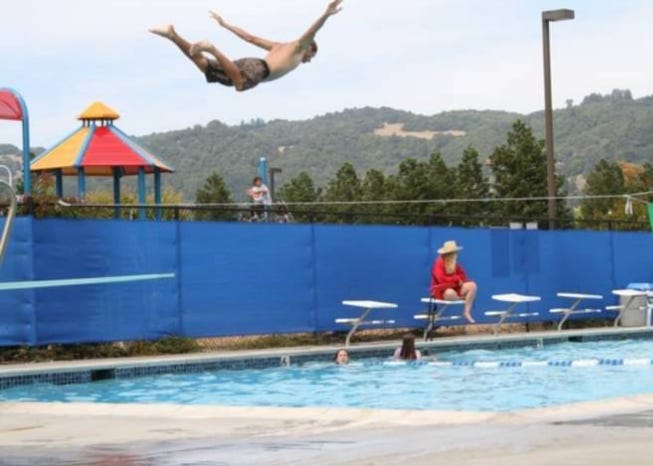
x: 100, y: 149
x: 13, y: 107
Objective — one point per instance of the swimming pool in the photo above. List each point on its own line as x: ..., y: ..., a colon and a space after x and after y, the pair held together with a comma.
x: 479, y: 380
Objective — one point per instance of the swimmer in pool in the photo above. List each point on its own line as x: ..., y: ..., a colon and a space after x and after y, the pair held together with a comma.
x: 341, y: 358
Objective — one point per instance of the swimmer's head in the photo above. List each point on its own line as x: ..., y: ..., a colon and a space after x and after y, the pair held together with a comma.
x: 341, y: 358
x: 310, y: 52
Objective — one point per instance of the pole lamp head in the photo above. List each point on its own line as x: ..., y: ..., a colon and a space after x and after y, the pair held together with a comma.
x: 558, y: 15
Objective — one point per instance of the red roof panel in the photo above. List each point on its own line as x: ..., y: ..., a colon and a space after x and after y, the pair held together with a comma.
x: 107, y: 149
x: 9, y: 107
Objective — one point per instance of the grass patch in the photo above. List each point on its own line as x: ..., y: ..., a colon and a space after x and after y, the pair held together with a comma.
x: 168, y: 345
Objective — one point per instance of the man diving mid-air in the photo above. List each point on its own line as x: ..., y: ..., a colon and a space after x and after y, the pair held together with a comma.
x: 246, y: 73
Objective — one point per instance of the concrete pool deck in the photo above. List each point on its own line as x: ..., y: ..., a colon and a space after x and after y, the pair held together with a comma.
x: 604, y: 432
x: 598, y: 433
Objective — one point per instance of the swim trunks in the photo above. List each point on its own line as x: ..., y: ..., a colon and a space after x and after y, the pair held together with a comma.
x: 253, y: 71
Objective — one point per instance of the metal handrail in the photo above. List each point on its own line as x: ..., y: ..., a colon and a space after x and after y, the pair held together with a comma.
x: 11, y: 214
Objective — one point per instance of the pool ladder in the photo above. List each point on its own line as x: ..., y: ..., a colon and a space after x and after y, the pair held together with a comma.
x: 8, y: 191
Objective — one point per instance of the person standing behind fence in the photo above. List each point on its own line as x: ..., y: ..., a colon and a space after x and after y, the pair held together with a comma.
x: 449, y: 281
x: 260, y: 196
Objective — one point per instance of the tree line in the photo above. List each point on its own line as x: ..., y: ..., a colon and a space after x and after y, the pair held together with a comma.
x: 472, y: 193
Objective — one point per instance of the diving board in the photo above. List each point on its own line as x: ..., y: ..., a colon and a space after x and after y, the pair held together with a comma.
x: 513, y: 299
x: 628, y: 297
x: 571, y: 310
x: 24, y: 285
x: 435, y: 313
x: 367, y: 307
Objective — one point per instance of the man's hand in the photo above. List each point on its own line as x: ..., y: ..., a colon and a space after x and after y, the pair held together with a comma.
x: 218, y: 18
x: 334, y: 7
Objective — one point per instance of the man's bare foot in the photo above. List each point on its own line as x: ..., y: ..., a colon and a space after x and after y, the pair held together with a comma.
x: 199, y: 47
x: 167, y: 31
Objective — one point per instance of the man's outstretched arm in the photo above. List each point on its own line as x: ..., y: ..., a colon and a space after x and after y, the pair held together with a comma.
x: 308, y: 37
x: 244, y: 35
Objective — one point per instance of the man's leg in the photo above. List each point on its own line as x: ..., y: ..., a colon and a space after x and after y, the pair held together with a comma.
x: 168, y: 32
x: 468, y: 293
x: 227, y: 65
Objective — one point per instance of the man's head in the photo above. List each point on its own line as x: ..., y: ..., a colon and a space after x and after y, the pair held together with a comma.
x: 257, y: 181
x: 310, y: 52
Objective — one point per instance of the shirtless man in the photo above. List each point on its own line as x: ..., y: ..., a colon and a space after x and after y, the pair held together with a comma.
x: 246, y: 73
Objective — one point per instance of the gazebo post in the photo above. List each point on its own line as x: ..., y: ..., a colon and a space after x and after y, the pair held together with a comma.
x: 58, y: 179
x: 141, y: 191
x: 81, y: 183
x: 157, y: 192
x: 116, y: 192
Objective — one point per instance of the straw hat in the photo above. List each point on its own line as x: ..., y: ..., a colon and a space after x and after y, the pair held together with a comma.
x: 449, y: 247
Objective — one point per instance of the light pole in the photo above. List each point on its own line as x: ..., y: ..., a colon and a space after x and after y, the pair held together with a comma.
x: 547, y: 17
x: 273, y: 171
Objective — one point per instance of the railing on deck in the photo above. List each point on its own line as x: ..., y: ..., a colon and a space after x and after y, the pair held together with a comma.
x: 280, y: 213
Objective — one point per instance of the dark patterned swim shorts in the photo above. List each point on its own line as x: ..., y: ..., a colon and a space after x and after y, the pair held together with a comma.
x: 253, y: 70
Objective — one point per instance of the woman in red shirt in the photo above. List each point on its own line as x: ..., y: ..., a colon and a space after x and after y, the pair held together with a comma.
x: 449, y: 281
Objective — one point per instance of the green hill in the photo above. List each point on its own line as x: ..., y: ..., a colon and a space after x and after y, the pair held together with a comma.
x: 614, y: 127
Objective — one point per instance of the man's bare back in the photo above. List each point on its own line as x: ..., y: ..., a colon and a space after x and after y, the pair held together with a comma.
x: 246, y: 73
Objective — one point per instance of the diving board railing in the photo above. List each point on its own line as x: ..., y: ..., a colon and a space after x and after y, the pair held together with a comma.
x: 11, y: 214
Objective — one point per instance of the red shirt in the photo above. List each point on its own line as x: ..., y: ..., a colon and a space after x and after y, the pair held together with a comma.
x: 441, y: 281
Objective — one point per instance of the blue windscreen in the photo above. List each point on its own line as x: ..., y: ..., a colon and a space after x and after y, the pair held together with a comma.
x: 244, y: 279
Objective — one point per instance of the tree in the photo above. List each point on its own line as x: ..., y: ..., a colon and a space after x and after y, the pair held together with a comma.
x: 429, y: 180
x: 606, y: 178
x: 345, y: 187
x: 300, y: 189
x: 614, y: 179
x: 471, y: 184
x: 376, y: 188
x: 519, y: 169
x: 214, y: 191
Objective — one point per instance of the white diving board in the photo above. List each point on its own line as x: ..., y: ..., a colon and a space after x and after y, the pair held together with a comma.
x: 572, y: 310
x: 619, y: 309
x: 82, y: 281
x: 513, y: 299
x: 367, y: 307
x: 435, y: 313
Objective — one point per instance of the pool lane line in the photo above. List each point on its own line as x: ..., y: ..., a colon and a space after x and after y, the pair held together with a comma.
x: 588, y: 362
x: 83, y: 281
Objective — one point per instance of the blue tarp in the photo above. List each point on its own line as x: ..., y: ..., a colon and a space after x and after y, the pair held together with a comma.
x: 241, y: 278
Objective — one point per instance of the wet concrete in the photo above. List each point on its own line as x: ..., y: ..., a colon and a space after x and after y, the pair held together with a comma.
x: 635, y: 420
x: 609, y: 432
x: 566, y: 443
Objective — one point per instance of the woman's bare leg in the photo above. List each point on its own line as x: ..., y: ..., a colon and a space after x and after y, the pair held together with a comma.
x: 168, y: 31
x: 468, y: 292
x: 227, y: 65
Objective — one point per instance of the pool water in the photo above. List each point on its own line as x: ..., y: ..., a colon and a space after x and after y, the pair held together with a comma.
x: 479, y: 380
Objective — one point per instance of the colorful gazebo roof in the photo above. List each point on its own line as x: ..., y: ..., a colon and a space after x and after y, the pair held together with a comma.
x: 98, y: 147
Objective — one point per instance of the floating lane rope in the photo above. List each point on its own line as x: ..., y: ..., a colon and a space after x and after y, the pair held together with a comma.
x: 83, y: 281
x: 551, y: 363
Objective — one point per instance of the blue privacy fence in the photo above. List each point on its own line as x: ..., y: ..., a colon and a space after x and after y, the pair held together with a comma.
x: 241, y: 278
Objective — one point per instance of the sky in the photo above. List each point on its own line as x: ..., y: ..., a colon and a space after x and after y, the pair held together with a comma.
x: 424, y: 56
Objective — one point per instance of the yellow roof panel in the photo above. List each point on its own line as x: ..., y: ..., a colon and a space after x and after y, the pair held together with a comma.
x: 98, y: 111
x: 62, y: 155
